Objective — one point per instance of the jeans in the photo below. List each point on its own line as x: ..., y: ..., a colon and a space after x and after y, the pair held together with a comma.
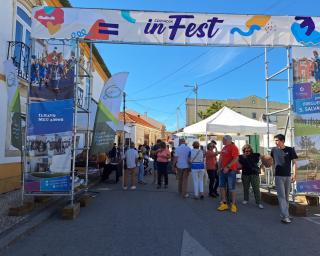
x: 141, y: 172
x: 283, y: 184
x: 254, y: 180
x: 162, y: 171
x: 213, y: 181
x: 197, y: 176
x: 228, y: 179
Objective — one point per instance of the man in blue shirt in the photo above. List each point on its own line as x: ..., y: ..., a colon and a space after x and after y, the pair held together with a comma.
x: 181, y: 166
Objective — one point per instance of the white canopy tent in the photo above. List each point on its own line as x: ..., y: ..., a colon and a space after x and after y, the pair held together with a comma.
x: 227, y: 121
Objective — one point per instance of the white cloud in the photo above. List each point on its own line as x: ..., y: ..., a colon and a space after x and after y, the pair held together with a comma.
x: 216, y: 60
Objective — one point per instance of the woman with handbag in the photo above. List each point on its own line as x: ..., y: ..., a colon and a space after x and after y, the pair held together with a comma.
x: 197, y: 169
x: 250, y: 174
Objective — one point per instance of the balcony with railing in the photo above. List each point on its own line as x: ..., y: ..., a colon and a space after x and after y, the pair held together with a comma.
x: 19, y: 52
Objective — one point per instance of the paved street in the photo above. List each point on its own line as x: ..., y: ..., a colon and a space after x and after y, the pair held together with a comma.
x: 158, y: 222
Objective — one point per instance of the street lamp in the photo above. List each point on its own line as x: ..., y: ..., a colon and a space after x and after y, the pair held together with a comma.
x: 195, y: 90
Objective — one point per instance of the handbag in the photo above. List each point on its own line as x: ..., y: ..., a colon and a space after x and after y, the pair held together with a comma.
x: 196, y: 165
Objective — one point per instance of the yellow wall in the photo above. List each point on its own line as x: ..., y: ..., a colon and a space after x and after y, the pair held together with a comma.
x: 10, y: 177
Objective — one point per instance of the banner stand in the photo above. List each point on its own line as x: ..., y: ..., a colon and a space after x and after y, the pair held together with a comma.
x: 75, y: 131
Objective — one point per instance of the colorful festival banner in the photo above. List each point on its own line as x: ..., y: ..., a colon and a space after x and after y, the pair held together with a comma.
x: 107, y: 116
x: 14, y: 131
x: 306, y: 107
x: 50, y: 118
x: 142, y: 27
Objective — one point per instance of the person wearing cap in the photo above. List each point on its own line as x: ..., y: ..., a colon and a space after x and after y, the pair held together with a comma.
x: 228, y: 163
x: 181, y: 166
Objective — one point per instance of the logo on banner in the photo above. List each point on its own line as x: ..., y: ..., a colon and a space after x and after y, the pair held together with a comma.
x: 50, y: 17
x: 305, y: 32
x: 112, y: 92
x: 101, y: 30
x: 302, y: 91
x: 254, y: 24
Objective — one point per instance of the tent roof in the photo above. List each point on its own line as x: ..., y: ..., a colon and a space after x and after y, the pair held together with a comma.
x: 228, y: 121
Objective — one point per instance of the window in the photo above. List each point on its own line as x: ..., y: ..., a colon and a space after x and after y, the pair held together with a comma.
x: 254, y: 115
x: 22, y: 41
x: 23, y: 26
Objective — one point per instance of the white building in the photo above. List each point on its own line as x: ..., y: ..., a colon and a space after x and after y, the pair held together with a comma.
x: 15, y: 41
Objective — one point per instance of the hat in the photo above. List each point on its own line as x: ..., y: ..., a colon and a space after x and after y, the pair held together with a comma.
x: 227, y: 137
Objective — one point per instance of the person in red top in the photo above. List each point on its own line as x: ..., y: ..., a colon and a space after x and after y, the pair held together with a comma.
x: 211, y: 165
x: 228, y: 163
x: 163, y: 156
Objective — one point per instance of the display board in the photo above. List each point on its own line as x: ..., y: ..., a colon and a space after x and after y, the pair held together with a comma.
x: 50, y: 118
x: 172, y: 28
x: 306, y: 108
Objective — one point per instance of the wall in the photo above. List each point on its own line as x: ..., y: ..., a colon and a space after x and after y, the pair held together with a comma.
x: 245, y: 106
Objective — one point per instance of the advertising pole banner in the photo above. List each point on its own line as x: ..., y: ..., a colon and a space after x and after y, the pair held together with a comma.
x: 14, y: 131
x: 172, y: 28
x: 107, y: 115
x: 50, y: 118
x: 306, y: 108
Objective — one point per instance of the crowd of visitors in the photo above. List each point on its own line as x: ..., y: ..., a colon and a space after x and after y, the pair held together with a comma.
x: 220, y: 168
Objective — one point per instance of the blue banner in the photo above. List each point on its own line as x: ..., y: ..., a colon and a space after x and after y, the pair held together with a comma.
x: 58, y: 184
x: 50, y: 117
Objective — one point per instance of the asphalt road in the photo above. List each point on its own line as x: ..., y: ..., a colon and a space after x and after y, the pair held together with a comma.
x: 158, y: 222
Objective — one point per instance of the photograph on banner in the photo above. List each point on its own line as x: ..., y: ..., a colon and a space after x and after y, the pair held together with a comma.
x: 49, y: 156
x: 306, y: 108
x: 53, y: 70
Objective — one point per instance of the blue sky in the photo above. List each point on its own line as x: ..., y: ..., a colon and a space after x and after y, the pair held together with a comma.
x: 156, y: 71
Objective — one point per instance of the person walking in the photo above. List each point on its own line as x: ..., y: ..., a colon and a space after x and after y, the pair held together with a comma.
x: 249, y: 164
x: 163, y: 156
x: 141, y: 152
x: 154, y: 150
x: 283, y: 158
x: 182, y: 167
x: 131, y: 158
x: 211, y: 165
x: 228, y: 163
x: 197, y: 169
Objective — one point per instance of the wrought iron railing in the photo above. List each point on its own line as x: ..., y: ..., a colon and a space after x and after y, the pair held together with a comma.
x: 19, y: 52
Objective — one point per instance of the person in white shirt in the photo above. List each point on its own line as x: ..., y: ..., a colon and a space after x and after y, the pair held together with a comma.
x: 197, y: 169
x: 131, y: 158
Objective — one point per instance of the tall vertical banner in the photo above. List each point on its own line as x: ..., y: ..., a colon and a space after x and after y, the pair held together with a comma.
x: 306, y: 108
x: 107, y: 115
x: 50, y: 118
x: 14, y: 138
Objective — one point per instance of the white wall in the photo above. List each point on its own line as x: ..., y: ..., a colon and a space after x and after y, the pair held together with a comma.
x: 7, y: 20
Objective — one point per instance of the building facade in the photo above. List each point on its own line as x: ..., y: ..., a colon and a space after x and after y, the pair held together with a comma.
x: 139, y: 130
x: 15, y: 42
x: 251, y: 106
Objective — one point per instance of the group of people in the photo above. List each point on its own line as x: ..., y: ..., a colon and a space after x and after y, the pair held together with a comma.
x: 221, y: 168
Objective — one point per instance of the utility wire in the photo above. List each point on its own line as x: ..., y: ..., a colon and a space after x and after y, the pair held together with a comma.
x: 172, y: 73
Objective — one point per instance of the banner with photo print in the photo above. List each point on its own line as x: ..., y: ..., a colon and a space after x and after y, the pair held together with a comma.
x: 50, y: 117
x: 306, y: 108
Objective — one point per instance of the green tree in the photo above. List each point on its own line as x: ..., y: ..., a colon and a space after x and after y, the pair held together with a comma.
x: 306, y: 144
x: 213, y: 108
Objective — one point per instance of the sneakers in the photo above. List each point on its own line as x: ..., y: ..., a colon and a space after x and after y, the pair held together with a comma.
x: 125, y: 188
x: 260, y: 206
x: 133, y: 187
x: 186, y: 196
x: 244, y: 202
x: 234, y: 208
x: 223, y: 206
x: 202, y: 197
x: 286, y: 220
